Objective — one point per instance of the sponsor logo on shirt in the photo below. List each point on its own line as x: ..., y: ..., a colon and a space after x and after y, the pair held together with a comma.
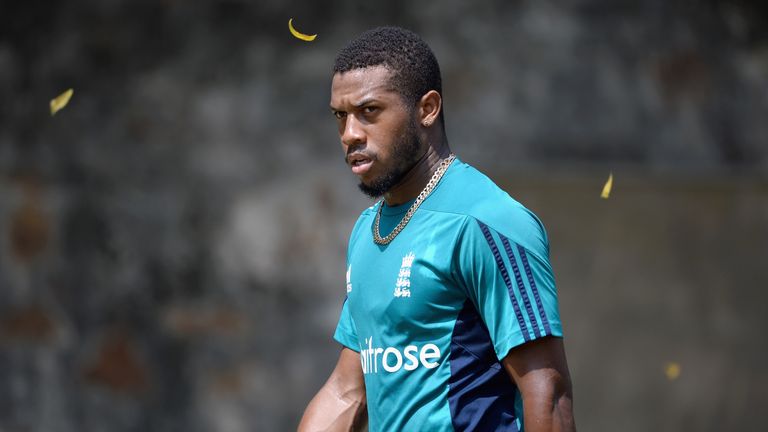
x: 403, y: 284
x: 391, y: 359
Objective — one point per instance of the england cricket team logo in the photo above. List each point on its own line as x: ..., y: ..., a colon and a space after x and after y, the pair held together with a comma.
x: 403, y: 284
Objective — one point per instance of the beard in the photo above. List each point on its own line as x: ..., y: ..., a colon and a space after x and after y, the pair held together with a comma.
x: 405, y: 154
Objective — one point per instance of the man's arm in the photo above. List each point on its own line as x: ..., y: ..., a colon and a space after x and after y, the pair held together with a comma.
x: 540, y: 370
x: 340, y: 403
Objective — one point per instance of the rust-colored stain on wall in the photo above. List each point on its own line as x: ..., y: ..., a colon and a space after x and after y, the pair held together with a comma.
x: 32, y: 324
x: 29, y: 227
x: 118, y: 366
x: 190, y: 321
x: 227, y: 382
x: 684, y: 75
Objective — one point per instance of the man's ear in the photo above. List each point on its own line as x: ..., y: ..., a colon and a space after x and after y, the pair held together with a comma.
x: 429, y: 108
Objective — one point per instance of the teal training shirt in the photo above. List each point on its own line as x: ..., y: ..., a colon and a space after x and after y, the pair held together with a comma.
x: 433, y: 312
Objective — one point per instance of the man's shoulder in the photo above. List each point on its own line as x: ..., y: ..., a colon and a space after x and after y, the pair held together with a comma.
x: 369, y: 212
x: 365, y: 219
x: 466, y: 191
x: 469, y: 192
x: 366, y: 214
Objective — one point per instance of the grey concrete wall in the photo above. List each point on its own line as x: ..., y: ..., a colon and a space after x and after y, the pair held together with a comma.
x: 670, y: 269
x: 172, y: 242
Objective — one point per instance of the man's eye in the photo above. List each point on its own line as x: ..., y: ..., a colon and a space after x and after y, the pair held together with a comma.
x: 339, y: 115
x: 370, y: 109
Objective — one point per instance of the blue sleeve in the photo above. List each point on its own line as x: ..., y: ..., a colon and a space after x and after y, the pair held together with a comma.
x: 511, y: 286
x: 346, y: 333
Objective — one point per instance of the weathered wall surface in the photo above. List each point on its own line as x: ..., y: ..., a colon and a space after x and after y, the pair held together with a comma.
x: 172, y: 242
x: 668, y: 270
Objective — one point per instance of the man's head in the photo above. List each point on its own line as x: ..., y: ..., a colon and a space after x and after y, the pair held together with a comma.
x: 386, y: 94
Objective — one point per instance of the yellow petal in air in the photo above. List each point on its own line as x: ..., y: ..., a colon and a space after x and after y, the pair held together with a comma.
x: 607, y: 188
x: 301, y: 36
x: 672, y: 370
x: 60, y: 101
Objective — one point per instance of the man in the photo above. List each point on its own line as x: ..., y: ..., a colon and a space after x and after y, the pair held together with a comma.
x: 451, y: 319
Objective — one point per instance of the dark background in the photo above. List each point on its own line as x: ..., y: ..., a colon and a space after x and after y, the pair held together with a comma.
x: 172, y: 242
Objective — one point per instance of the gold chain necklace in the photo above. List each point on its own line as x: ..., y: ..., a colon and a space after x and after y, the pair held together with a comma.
x: 377, y: 238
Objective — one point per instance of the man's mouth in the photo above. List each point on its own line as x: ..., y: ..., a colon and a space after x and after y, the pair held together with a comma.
x: 359, y: 162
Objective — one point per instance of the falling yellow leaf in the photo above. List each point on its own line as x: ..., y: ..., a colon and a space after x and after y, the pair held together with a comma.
x: 607, y: 188
x: 61, y: 101
x: 301, y: 36
x: 672, y: 370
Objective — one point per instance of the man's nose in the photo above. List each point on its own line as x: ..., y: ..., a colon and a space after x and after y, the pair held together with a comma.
x: 353, y: 132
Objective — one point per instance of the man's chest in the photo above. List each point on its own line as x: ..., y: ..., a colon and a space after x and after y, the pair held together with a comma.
x: 406, y: 287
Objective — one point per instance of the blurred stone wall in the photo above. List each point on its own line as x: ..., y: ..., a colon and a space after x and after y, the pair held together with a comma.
x: 172, y: 242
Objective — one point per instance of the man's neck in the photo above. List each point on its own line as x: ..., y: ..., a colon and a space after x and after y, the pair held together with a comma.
x: 417, y: 177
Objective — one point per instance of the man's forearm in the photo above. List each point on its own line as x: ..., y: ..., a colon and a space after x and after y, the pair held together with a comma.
x: 546, y: 412
x: 540, y: 371
x: 331, y: 410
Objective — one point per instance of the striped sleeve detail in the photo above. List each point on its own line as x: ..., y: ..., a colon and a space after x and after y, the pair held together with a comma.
x: 520, y: 284
x: 517, y: 260
x: 532, y: 282
x: 505, y: 275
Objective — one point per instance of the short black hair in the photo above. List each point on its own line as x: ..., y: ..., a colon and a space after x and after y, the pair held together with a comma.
x: 414, y: 66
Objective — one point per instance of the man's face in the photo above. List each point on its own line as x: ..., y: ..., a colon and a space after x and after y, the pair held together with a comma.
x: 377, y: 129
